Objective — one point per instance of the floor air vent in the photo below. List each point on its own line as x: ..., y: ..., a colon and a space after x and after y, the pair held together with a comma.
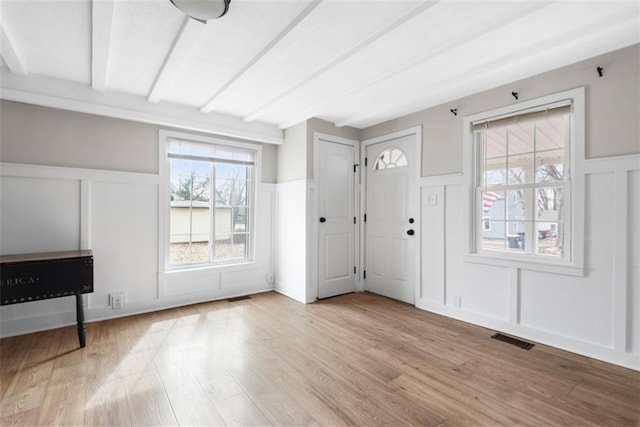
x: 514, y: 341
x: 234, y: 299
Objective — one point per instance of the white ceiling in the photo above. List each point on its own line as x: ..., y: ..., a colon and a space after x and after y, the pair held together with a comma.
x: 270, y: 64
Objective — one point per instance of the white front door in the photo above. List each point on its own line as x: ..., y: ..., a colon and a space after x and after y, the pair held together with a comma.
x: 391, y: 238
x: 336, y: 215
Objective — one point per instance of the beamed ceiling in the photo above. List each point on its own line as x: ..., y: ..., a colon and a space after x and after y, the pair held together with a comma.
x: 268, y: 65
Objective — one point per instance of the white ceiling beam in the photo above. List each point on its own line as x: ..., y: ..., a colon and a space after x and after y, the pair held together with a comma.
x: 74, y: 96
x: 313, y: 110
x: 101, y: 25
x: 211, y: 104
x: 10, y: 54
x: 345, y: 56
x: 184, y: 42
x: 558, y: 51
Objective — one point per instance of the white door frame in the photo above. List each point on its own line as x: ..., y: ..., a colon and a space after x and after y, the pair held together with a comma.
x: 417, y: 133
x: 312, y: 217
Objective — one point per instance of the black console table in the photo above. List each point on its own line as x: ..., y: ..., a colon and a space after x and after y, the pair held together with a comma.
x: 34, y: 277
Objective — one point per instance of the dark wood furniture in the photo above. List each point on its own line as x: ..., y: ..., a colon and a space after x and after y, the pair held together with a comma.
x: 34, y: 277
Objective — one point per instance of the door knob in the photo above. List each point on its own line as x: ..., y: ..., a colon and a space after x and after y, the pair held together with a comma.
x: 410, y: 232
x: 323, y: 219
x: 411, y: 220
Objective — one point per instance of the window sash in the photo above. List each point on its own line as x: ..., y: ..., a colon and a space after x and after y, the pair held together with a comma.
x: 246, y: 235
x: 529, y: 217
x: 478, y: 130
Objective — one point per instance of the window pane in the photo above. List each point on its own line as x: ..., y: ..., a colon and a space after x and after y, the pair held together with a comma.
x: 192, y: 182
x: 224, y: 171
x: 516, y: 235
x: 231, y: 246
x: 223, y: 192
x: 189, y: 232
x: 239, y: 193
x: 495, y: 143
x: 550, y: 213
x: 495, y: 171
x: 550, y: 166
x: 520, y: 169
x: 550, y: 204
x: 189, y: 219
x: 516, y: 204
x: 550, y: 133
x: 494, y: 155
x: 189, y: 253
x: 493, y: 236
x: 520, y: 139
x: 493, y: 204
x: 390, y: 158
x: 240, y: 224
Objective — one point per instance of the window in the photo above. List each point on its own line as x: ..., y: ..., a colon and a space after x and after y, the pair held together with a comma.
x: 210, y: 190
x: 522, y: 165
x: 390, y: 158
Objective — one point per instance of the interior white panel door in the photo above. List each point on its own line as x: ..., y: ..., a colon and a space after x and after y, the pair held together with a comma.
x: 336, y: 228
x: 391, y: 215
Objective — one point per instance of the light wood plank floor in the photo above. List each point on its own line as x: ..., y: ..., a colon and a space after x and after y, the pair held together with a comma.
x: 358, y: 359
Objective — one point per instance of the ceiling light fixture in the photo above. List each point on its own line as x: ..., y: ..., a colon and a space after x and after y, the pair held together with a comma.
x: 203, y: 10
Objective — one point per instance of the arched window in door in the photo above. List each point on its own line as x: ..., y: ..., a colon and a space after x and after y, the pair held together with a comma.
x: 390, y: 158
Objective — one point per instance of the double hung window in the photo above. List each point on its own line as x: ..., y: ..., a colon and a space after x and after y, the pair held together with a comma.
x: 523, y: 182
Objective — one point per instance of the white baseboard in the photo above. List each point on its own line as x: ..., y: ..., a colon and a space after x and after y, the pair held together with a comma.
x: 14, y: 327
x: 290, y: 291
x: 606, y: 354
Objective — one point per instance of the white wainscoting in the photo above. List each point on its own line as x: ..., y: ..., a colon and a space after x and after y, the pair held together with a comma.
x: 597, y: 315
x: 116, y: 215
x: 291, y: 231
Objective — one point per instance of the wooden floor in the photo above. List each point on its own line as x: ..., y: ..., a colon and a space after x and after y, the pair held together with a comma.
x: 358, y: 359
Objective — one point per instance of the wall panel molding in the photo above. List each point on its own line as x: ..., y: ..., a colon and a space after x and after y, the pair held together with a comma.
x: 432, y: 293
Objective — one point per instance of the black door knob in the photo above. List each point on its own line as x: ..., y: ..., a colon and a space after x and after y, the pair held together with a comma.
x: 411, y: 220
x: 410, y: 232
x: 323, y: 219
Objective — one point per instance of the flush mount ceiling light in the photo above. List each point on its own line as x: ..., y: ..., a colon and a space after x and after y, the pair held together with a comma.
x: 202, y: 10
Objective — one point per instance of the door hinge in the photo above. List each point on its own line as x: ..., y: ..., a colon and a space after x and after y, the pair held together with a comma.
x: 364, y: 274
x: 354, y: 269
x: 365, y: 217
x: 365, y: 161
x: 354, y: 219
x: 355, y: 167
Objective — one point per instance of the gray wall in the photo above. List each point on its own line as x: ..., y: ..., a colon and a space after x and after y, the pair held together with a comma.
x: 295, y: 156
x: 612, y: 110
x: 322, y: 126
x: 37, y: 135
x: 291, y: 156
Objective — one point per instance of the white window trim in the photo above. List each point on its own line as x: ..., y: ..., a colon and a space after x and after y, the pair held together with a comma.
x: 164, y: 193
x: 574, y: 265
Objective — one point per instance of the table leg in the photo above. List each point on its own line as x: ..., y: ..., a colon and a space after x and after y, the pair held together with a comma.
x: 82, y: 330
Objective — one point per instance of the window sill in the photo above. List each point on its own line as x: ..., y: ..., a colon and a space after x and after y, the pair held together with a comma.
x: 526, y: 263
x: 210, y: 268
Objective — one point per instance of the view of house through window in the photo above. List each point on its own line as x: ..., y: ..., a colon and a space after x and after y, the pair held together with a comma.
x: 210, y: 206
x: 523, y: 182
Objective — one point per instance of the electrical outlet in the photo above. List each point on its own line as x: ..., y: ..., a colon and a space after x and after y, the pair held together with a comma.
x: 116, y: 300
x: 432, y: 200
x: 271, y: 278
